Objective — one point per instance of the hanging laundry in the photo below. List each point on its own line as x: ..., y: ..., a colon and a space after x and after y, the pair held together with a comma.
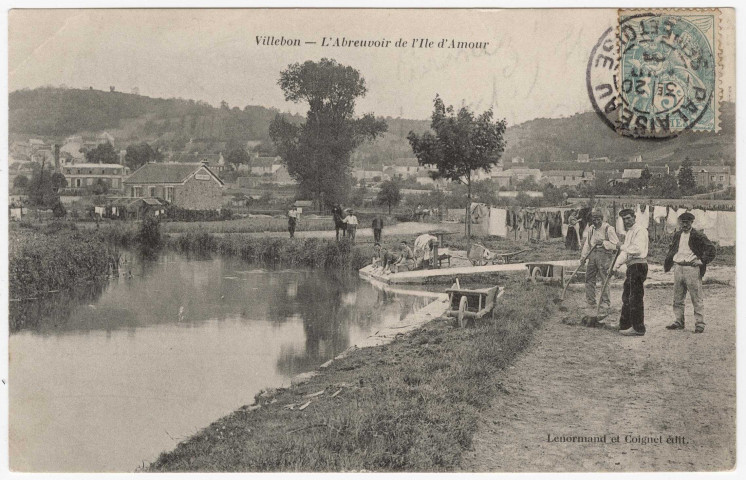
x: 659, y: 213
x: 699, y: 218
x: 672, y: 221
x: 497, y: 225
x: 572, y: 238
x: 726, y: 228
x: 710, y: 225
x: 620, y: 230
x: 555, y: 225
x: 642, y: 216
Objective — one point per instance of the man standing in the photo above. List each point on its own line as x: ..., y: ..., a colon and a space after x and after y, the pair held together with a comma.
x: 377, y: 228
x: 633, y: 253
x: 351, y: 221
x: 292, y: 220
x: 603, y: 236
x: 689, y: 254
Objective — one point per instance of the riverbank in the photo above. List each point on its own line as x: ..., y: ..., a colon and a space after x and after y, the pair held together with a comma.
x: 411, y: 405
x: 45, y: 259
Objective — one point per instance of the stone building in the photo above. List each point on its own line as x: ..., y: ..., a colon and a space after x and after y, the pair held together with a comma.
x: 192, y: 186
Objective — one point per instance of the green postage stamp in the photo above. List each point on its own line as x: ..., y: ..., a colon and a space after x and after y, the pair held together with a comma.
x: 658, y: 74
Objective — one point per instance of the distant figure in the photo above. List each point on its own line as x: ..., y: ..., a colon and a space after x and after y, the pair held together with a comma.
x: 339, y: 223
x: 351, y: 221
x: 292, y: 220
x: 377, y: 228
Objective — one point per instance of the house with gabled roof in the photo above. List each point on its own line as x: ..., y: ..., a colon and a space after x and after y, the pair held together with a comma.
x: 192, y: 186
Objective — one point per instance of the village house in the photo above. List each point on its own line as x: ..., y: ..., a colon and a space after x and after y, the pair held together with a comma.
x: 265, y: 165
x: 712, y: 176
x: 191, y: 186
x: 214, y: 161
x: 282, y: 176
x: 567, y: 178
x: 583, y: 158
x: 404, y: 167
x: 84, y: 175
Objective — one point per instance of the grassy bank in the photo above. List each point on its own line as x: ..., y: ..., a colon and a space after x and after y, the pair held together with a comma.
x: 408, y: 406
x: 48, y: 258
x: 277, y: 252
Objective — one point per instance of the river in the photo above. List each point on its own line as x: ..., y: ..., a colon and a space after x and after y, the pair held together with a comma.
x: 105, y: 377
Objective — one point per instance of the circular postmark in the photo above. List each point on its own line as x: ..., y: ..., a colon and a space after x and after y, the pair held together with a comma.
x: 654, y: 77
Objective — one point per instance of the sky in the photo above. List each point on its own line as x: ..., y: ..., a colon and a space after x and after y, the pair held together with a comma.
x: 534, y: 65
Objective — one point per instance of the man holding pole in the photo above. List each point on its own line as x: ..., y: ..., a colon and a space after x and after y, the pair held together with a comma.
x: 634, y: 254
x: 603, y: 237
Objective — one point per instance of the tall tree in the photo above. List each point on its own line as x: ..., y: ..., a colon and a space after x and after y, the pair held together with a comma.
x: 389, y: 194
x: 103, y: 153
x: 317, y: 152
x: 139, y: 154
x: 463, y: 143
x: 687, y: 183
x: 237, y: 155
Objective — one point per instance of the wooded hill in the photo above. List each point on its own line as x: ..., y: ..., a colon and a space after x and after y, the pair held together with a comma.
x: 57, y: 113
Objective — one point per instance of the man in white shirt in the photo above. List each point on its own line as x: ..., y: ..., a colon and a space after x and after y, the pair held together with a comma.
x: 689, y: 254
x: 292, y: 220
x: 633, y: 253
x: 351, y: 221
x: 603, y: 236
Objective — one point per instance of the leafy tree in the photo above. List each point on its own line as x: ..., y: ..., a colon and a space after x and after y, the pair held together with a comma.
x: 462, y: 144
x: 358, y: 196
x: 139, y: 155
x: 389, y: 194
x: 666, y: 186
x: 237, y: 156
x: 58, y: 181
x: 103, y: 153
x: 59, y: 210
x: 40, y: 191
x: 526, y: 184
x: 687, y: 183
x: 100, y: 187
x: 317, y: 152
x: 645, y: 177
x: 20, y: 182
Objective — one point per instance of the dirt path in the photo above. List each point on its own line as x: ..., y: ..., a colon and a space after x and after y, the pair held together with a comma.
x: 579, y: 381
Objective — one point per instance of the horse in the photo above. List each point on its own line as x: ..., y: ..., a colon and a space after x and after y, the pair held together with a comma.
x: 338, y: 222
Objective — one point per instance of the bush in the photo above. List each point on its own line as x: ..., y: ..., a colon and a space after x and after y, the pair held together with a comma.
x: 183, y: 215
x: 40, y: 262
x: 150, y: 233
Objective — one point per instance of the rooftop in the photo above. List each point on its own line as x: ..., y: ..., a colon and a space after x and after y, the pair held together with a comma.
x: 166, y: 173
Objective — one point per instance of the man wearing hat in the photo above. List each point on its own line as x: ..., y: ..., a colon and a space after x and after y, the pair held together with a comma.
x: 689, y: 254
x: 633, y: 253
x: 603, y: 236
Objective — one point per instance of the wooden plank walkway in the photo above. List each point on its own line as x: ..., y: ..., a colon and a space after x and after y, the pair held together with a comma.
x: 445, y: 275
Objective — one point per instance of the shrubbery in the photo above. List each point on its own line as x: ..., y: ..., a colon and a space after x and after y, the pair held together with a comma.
x: 280, y: 252
x: 183, y: 215
x: 44, y: 260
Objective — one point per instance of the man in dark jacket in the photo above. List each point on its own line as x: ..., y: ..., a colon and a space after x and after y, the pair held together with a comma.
x: 377, y: 227
x: 689, y: 254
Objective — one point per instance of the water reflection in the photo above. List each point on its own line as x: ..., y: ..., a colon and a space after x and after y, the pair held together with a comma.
x: 125, y: 368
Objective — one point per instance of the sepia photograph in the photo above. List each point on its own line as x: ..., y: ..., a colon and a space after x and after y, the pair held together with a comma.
x: 350, y: 240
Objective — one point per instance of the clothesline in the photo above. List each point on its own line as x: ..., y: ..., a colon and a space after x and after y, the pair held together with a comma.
x: 544, y: 223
